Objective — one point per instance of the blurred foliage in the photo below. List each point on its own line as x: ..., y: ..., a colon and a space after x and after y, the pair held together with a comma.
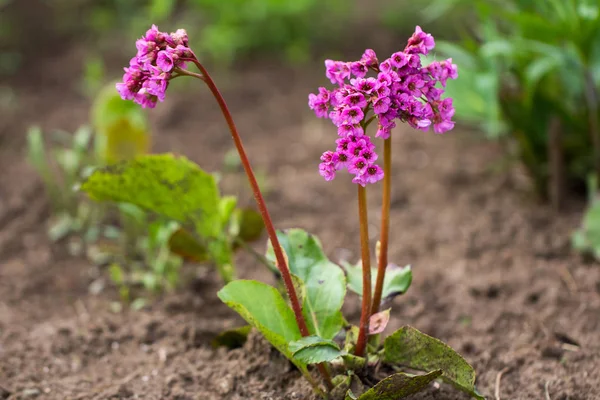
x: 523, y: 64
x: 140, y: 248
x: 121, y: 127
x: 219, y: 30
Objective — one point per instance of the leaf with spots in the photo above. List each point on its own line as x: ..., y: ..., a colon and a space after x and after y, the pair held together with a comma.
x: 411, y: 348
x: 166, y: 184
x: 324, y: 281
x: 399, y: 386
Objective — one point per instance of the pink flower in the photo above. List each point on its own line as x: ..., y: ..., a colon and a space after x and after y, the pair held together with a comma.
x: 349, y: 129
x: 420, y: 42
x: 381, y: 105
x: 365, y: 85
x: 358, y: 166
x: 369, y: 155
x: 158, y: 54
x: 165, y: 61
x: 359, y: 69
x: 373, y: 174
x: 352, y: 115
x: 344, y: 159
x: 336, y: 71
x: 401, y: 90
x: 355, y: 100
x: 327, y: 171
x: 369, y: 58
x: 399, y: 59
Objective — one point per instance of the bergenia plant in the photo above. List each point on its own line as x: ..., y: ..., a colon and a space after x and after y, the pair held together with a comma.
x: 308, y: 327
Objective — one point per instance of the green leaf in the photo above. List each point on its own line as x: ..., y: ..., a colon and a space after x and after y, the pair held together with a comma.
x: 397, y: 280
x: 166, y: 184
x: 263, y: 307
x: 232, y: 338
x: 324, y: 281
x: 399, y: 386
x: 354, y: 363
x: 315, y: 350
x: 411, y: 348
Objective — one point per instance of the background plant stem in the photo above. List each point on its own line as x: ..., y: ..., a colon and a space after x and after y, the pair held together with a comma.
x: 385, y: 224
x: 262, y: 207
x: 361, y: 343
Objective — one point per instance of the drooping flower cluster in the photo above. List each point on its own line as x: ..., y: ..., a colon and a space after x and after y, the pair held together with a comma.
x: 401, y: 89
x: 158, y: 54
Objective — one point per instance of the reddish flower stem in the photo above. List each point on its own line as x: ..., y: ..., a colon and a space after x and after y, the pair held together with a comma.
x: 281, y: 260
x: 361, y: 343
x: 385, y: 224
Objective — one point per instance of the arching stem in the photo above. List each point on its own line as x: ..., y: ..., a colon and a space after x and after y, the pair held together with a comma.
x: 262, y: 207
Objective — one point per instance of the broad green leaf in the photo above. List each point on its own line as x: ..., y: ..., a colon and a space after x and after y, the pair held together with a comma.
x: 399, y: 386
x: 232, y: 338
x: 411, y: 348
x: 166, y: 184
x: 396, y: 282
x: 324, y: 281
x: 315, y: 350
x: 263, y: 307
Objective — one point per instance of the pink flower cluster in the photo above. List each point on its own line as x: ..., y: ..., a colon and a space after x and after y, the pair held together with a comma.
x: 402, y: 89
x: 158, y: 54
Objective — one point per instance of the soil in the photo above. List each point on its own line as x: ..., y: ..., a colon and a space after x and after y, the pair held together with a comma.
x: 494, y: 275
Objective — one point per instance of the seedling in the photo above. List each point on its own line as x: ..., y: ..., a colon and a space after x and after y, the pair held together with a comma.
x: 309, y: 329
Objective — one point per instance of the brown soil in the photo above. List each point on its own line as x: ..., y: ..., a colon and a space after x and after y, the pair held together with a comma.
x: 494, y: 276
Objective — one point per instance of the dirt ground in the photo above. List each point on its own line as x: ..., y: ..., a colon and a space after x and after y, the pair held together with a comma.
x: 494, y: 275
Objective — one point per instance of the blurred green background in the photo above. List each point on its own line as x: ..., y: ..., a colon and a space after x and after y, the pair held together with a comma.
x: 529, y: 70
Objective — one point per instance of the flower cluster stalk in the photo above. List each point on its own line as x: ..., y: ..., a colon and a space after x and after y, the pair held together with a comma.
x: 385, y: 224
x: 361, y: 343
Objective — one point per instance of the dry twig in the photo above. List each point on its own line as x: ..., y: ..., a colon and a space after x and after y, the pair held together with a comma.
x: 546, y: 392
x: 498, y: 377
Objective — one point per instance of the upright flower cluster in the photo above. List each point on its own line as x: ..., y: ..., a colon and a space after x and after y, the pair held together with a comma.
x: 401, y: 89
x: 158, y: 54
